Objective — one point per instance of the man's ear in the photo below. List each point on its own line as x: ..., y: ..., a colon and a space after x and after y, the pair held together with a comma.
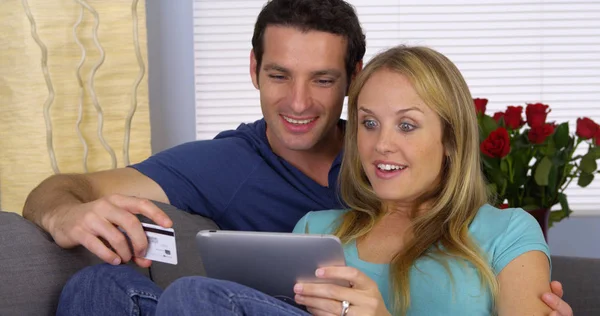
x: 253, y: 73
x: 357, y: 69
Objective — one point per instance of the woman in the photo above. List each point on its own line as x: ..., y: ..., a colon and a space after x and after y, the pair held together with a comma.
x: 419, y: 226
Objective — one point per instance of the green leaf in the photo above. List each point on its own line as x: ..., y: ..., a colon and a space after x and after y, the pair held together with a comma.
x: 561, y: 158
x: 555, y: 216
x: 530, y: 207
x: 549, y: 150
x: 529, y: 201
x: 498, y: 178
x: 561, y: 135
x: 489, y: 162
x: 553, y: 178
x: 585, y: 179
x: 488, y: 124
x: 542, y: 172
x: 595, y: 151
x: 492, y: 188
x: 588, y: 163
x: 520, y: 142
x: 504, y: 166
x: 519, y: 168
x: 562, y: 199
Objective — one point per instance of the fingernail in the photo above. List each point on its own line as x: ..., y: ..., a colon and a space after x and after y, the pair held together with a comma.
x: 320, y: 272
x: 298, y: 288
x: 117, y: 261
x: 299, y: 298
x: 548, y: 297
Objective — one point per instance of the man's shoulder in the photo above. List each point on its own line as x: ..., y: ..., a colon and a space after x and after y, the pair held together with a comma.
x: 247, y: 138
x: 226, y: 157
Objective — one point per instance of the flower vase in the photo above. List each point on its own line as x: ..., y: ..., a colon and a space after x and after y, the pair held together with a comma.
x: 542, y: 215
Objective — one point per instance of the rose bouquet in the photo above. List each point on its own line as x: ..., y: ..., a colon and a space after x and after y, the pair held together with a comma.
x: 529, y: 162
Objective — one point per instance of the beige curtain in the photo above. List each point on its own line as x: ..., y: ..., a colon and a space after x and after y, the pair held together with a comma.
x: 25, y: 158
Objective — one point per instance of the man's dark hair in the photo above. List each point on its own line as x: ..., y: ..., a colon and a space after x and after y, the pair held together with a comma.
x: 331, y: 16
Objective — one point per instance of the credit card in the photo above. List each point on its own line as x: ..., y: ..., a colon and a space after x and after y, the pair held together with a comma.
x: 161, y: 244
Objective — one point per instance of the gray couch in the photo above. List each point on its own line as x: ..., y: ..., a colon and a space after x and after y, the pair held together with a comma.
x: 33, y: 269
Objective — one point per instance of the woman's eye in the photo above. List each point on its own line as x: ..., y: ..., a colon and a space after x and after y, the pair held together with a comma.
x: 406, y: 127
x: 369, y: 124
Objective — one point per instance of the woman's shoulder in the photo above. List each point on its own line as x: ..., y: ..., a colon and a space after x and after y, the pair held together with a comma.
x: 319, y: 222
x: 493, y: 221
x: 506, y: 233
x: 488, y: 214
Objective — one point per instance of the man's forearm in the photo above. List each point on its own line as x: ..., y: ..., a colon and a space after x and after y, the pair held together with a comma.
x: 52, y: 194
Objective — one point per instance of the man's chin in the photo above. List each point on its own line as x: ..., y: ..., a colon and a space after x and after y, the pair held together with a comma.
x: 300, y: 145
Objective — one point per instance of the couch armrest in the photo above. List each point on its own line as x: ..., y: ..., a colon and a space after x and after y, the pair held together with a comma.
x: 33, y: 269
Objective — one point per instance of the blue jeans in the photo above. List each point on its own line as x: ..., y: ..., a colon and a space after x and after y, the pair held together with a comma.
x: 120, y: 290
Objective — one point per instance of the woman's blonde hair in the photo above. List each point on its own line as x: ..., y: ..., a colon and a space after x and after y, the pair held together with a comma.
x: 453, y: 204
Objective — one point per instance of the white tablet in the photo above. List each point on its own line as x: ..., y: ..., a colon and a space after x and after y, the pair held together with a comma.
x: 269, y: 262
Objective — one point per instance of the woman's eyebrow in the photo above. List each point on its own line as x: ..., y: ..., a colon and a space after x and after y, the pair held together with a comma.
x: 414, y: 108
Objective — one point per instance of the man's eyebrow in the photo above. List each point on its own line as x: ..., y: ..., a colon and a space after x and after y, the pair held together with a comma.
x: 414, y: 108
x: 275, y: 67
x: 327, y: 72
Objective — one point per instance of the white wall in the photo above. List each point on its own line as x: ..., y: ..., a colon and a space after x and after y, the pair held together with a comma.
x: 576, y: 236
x: 170, y: 72
x: 172, y: 114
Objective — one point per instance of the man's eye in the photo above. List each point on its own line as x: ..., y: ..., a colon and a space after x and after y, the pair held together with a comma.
x: 277, y: 77
x: 369, y: 124
x: 406, y: 127
x: 325, y: 82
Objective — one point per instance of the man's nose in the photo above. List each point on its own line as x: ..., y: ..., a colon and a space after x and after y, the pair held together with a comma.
x: 301, y: 99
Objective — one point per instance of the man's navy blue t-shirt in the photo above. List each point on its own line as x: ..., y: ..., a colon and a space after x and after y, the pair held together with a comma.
x: 236, y: 180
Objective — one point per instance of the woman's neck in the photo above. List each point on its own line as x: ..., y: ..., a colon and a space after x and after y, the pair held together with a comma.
x: 386, y: 239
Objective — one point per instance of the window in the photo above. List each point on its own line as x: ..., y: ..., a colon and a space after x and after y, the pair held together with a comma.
x: 510, y: 52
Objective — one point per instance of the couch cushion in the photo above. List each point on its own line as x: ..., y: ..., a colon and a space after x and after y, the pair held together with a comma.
x: 580, y: 278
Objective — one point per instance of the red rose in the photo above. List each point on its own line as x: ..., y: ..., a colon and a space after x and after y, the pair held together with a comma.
x: 538, y: 134
x: 586, y: 128
x: 513, y: 117
x: 597, y: 137
x: 480, y: 105
x: 497, y: 144
x: 536, y: 114
x: 498, y: 116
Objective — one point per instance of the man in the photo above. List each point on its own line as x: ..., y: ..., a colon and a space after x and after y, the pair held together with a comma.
x: 263, y: 176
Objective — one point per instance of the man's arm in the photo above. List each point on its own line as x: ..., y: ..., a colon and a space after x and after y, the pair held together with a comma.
x: 522, y: 283
x: 85, y: 209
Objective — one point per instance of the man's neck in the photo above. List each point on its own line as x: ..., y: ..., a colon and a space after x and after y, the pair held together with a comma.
x: 315, y: 163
